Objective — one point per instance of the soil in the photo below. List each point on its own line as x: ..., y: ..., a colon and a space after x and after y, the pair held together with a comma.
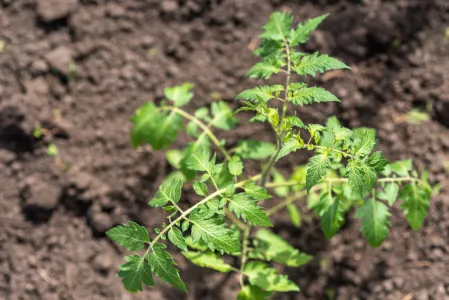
x: 80, y: 68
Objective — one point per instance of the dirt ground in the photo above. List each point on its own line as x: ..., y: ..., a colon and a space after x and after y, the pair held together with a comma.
x: 79, y: 68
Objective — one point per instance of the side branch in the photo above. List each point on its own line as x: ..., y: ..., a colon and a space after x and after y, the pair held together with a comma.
x: 203, y: 126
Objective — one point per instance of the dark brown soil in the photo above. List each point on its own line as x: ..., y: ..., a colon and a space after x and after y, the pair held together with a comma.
x: 53, y: 213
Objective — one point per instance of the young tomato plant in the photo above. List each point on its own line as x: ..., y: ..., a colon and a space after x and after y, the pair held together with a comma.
x: 229, y: 219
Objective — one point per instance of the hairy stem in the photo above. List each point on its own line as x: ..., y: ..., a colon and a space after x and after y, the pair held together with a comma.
x: 203, y: 126
x: 278, y: 207
x: 246, y: 234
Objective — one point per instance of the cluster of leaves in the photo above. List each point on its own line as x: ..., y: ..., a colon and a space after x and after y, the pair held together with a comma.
x: 345, y: 172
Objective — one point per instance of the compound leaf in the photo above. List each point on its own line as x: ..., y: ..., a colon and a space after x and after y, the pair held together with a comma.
x: 135, y: 271
x: 208, y: 260
x: 316, y: 169
x: 180, y: 95
x: 312, y: 63
x: 375, y: 223
x: 169, y: 191
x: 132, y: 236
x: 246, y: 208
x: 163, y: 266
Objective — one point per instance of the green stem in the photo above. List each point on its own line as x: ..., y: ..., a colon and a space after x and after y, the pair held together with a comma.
x: 246, y: 234
x: 203, y: 126
x: 285, y: 203
x: 272, y: 185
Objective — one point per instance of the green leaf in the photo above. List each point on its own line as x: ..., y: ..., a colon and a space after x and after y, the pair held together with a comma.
x: 271, y: 50
x: 312, y: 63
x: 259, y: 274
x: 134, y: 272
x: 294, y: 214
x: 374, y: 215
x: 277, y: 179
x: 402, y: 167
x: 332, y: 219
x: 302, y: 32
x: 261, y: 94
x: 131, y: 236
x: 390, y: 193
x: 200, y: 188
x: 377, y: 162
x: 250, y: 292
x: 274, y: 248
x: 290, y: 146
x: 174, y: 158
x: 156, y: 128
x: 235, y: 166
x: 365, y: 144
x: 262, y: 70
x: 309, y: 95
x: 175, y: 236
x: 415, y: 204
x: 341, y: 133
x: 278, y: 26
x: 361, y: 177
x: 246, y: 208
x: 256, y: 191
x: 169, y: 191
x: 163, y: 266
x: 180, y: 95
x: 316, y: 169
x: 208, y: 260
x: 199, y: 160
x: 223, y: 117
x: 252, y: 149
x: 214, y: 233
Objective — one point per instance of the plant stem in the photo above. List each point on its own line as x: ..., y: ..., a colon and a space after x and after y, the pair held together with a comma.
x: 246, y: 233
x: 203, y: 126
x: 267, y: 169
x: 287, y: 201
x: 272, y: 185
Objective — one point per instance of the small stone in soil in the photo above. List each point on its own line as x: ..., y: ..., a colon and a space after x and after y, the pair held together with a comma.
x: 60, y: 59
x: 52, y: 10
x: 43, y: 195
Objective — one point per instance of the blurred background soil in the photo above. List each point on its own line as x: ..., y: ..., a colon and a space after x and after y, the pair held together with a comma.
x: 79, y: 68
